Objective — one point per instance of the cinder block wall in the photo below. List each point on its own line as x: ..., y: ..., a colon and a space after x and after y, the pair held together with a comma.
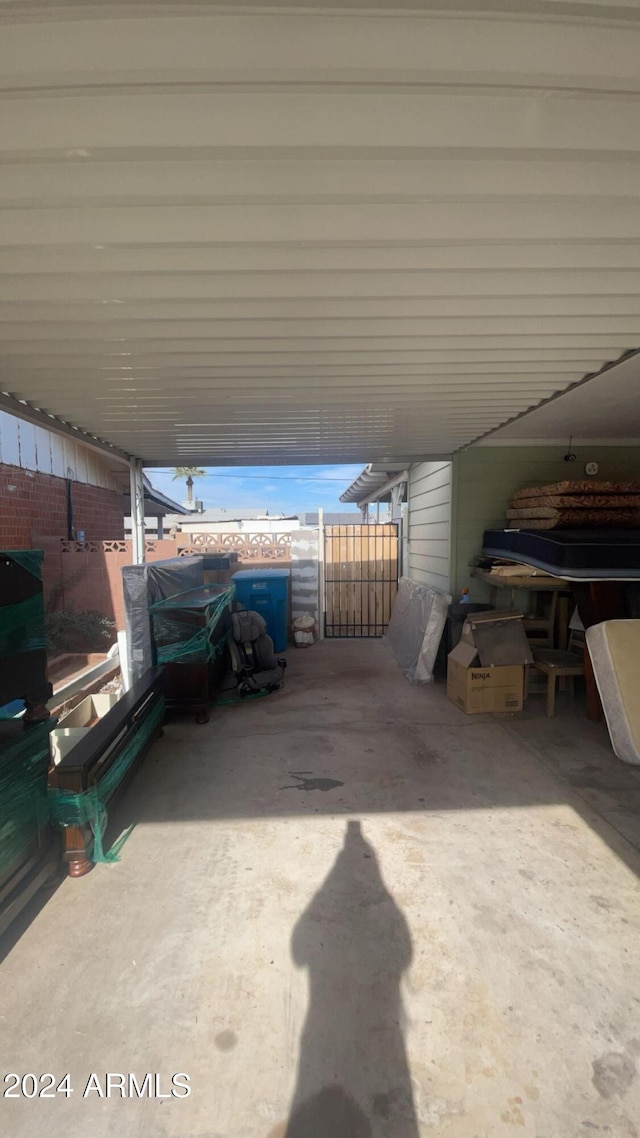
x: 304, y: 573
x: 78, y: 578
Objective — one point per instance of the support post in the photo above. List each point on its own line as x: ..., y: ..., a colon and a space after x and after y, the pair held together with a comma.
x: 137, y: 512
x: 321, y: 593
x: 397, y: 496
x: 403, y: 535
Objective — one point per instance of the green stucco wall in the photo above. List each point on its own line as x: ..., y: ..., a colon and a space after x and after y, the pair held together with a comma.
x: 485, y: 477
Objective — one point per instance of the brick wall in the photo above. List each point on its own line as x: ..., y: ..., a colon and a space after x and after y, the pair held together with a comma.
x: 34, y: 506
x: 98, y: 512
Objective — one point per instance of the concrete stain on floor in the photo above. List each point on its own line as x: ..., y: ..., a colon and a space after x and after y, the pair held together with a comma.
x: 306, y: 782
x: 613, y: 1073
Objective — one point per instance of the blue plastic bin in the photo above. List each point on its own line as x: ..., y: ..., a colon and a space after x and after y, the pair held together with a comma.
x: 266, y: 591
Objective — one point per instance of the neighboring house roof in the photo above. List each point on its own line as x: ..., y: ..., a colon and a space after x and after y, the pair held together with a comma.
x: 231, y: 514
x: 156, y: 504
x: 346, y: 518
x: 371, y: 483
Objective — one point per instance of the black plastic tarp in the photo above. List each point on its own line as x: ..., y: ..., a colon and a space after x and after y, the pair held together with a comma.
x: 145, y: 585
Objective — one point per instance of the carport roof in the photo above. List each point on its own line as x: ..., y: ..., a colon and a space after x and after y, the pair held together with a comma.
x: 372, y: 484
x: 302, y: 232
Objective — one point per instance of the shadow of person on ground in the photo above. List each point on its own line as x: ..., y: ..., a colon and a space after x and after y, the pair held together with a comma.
x: 353, y: 1076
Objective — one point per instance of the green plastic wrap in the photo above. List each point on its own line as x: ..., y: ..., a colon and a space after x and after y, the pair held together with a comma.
x: 29, y: 559
x: 12, y: 711
x: 89, y: 807
x: 24, y: 808
x: 22, y: 626
x: 173, y: 623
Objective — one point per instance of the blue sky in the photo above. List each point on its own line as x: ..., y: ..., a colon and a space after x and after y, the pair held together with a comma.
x: 279, y: 489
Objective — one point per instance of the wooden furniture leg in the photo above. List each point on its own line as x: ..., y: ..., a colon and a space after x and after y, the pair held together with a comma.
x: 597, y: 601
x: 562, y: 636
x: 551, y: 695
x: 74, y: 851
x: 131, y: 723
x: 594, y: 706
x: 553, y: 608
x: 556, y: 665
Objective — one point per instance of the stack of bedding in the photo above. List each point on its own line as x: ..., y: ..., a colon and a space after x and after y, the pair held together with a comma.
x: 576, y: 505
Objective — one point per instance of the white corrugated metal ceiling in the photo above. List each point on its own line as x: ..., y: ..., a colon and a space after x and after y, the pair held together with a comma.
x: 234, y: 233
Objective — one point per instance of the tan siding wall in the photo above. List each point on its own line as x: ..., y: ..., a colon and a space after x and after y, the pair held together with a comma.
x: 34, y: 448
x: 430, y: 523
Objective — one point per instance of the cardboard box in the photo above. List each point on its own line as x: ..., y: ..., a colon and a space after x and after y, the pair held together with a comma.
x: 477, y: 689
x: 486, y: 670
x: 499, y: 638
x: 75, y: 724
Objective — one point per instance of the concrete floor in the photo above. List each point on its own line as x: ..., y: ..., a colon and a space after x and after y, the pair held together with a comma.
x: 348, y: 911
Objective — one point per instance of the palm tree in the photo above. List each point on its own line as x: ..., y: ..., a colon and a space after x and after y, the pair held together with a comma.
x: 189, y: 472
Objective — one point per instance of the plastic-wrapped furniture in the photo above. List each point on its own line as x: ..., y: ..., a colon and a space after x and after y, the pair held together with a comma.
x: 415, y: 629
x: 145, y: 585
x: 190, y: 639
x: 96, y: 770
x: 29, y: 848
x: 23, y: 656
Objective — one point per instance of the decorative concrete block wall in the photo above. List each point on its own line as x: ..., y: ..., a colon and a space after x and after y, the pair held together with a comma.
x: 304, y: 573
x: 78, y: 577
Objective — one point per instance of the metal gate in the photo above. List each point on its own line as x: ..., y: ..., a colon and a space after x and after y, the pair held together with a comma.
x: 361, y: 579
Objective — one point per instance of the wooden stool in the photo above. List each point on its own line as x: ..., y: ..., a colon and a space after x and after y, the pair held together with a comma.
x: 556, y: 664
x: 541, y: 629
